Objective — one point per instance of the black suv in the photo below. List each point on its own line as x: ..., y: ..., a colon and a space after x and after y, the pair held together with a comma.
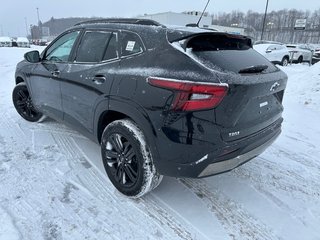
x: 182, y: 102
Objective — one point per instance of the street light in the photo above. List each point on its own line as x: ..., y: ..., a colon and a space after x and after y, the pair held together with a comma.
x: 264, y: 19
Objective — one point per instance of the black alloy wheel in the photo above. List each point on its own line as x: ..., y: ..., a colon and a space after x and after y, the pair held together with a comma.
x: 122, y: 160
x: 23, y: 103
x: 127, y: 159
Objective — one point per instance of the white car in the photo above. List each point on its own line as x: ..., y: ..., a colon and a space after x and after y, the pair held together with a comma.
x: 299, y: 53
x: 274, y: 52
x: 316, y: 56
x: 23, y: 42
x: 5, y: 42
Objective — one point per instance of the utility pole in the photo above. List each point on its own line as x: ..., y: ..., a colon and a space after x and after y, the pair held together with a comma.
x: 39, y: 28
x: 25, y: 21
x: 38, y: 17
x: 264, y: 19
x: 31, y: 32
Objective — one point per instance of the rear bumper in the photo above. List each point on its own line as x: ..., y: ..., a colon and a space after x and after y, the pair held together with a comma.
x: 227, y: 165
x: 229, y: 156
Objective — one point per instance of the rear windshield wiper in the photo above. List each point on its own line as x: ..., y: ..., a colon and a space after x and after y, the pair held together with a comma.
x: 254, y: 69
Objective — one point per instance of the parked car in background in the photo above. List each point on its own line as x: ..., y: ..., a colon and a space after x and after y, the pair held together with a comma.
x: 5, y: 42
x: 274, y: 52
x: 23, y: 42
x: 299, y: 53
x: 160, y: 101
x: 316, y: 56
x: 39, y: 42
x: 266, y: 42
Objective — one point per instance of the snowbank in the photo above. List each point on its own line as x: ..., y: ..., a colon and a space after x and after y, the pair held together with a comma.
x: 304, y: 84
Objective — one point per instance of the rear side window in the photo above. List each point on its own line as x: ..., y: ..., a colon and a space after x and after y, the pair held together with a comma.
x: 130, y: 44
x: 226, y: 53
x: 94, y: 47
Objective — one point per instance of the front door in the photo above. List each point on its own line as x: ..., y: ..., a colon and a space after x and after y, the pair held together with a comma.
x: 46, y: 76
x: 87, y: 81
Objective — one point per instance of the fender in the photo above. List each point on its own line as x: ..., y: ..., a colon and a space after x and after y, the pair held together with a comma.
x: 135, y: 112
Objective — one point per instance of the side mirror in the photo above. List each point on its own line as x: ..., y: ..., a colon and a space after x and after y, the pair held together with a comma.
x: 268, y: 51
x: 32, y: 57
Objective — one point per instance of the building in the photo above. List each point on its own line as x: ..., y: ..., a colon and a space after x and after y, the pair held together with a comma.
x: 188, y: 17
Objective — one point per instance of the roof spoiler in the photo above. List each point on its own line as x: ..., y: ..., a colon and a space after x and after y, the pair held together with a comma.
x: 187, y: 36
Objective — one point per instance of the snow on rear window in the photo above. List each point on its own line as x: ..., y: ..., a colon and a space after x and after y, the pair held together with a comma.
x: 223, y: 53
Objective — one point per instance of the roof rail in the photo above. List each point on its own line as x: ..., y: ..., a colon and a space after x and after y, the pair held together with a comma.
x: 138, y: 21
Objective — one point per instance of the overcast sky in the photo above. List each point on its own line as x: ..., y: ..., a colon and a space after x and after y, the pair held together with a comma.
x: 14, y: 14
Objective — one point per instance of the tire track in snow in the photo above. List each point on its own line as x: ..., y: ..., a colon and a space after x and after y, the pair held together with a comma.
x: 51, y: 197
x: 12, y: 130
x: 53, y: 127
x: 101, y: 187
x: 271, y: 174
x: 99, y: 191
x: 67, y: 146
x: 238, y: 223
x: 306, y: 160
x: 163, y: 217
x: 267, y: 177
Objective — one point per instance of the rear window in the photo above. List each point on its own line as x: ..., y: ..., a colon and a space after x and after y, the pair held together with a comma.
x: 226, y: 53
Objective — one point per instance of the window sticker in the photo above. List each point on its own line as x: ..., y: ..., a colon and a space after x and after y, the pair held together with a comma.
x: 130, y: 46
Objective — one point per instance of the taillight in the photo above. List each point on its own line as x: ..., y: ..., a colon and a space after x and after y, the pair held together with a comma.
x: 192, y: 96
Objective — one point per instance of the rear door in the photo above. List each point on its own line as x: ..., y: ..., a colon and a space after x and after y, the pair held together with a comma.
x: 46, y: 75
x: 87, y: 81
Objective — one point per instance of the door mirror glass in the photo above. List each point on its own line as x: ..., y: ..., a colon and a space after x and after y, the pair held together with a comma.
x: 32, y: 57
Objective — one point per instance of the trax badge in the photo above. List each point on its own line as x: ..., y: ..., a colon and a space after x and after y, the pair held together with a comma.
x: 274, y: 87
x: 233, y: 134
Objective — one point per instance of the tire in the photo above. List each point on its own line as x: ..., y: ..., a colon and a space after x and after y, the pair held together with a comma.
x: 23, y: 104
x: 285, y: 61
x: 300, y: 59
x: 127, y: 159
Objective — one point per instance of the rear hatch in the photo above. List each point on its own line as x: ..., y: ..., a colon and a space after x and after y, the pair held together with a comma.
x: 256, y: 86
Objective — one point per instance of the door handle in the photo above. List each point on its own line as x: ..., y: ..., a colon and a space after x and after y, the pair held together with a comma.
x: 99, y: 79
x: 55, y: 73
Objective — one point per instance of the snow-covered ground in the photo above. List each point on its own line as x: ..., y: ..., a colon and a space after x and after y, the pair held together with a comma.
x: 53, y: 185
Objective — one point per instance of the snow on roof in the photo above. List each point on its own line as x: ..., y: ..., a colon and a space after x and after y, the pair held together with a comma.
x: 22, y: 39
x: 5, y: 39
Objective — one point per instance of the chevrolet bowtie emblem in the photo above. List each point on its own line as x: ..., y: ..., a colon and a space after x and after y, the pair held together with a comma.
x: 274, y: 87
